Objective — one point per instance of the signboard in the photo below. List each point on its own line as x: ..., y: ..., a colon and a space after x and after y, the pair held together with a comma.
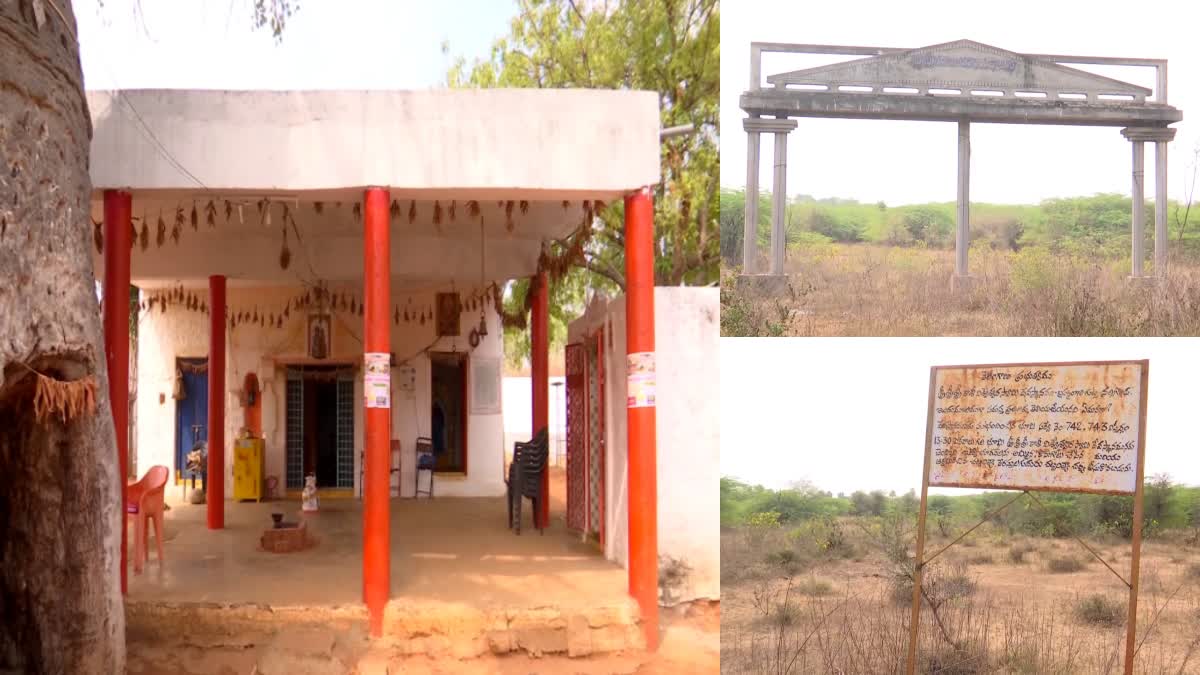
x: 1037, y: 426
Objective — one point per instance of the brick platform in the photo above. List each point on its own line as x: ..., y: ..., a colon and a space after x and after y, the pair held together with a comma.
x: 286, y: 539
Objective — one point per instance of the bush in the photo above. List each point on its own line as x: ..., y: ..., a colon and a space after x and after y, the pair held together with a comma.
x: 979, y: 559
x: 1064, y: 565
x: 814, y: 587
x: 825, y: 535
x: 1100, y: 610
x: 1034, y: 270
x: 1017, y: 552
x: 968, y: 659
x: 1193, y: 571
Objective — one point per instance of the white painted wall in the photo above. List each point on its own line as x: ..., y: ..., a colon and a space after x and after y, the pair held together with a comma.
x: 687, y: 336
x: 518, y: 415
x: 180, y: 333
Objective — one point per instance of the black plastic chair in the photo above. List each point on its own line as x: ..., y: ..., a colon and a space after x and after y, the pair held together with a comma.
x: 525, y: 478
x: 425, y: 462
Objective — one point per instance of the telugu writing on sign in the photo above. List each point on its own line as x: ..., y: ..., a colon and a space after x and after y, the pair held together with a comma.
x: 1036, y: 426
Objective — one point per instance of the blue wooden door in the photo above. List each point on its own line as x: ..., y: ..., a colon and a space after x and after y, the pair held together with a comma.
x: 191, y: 418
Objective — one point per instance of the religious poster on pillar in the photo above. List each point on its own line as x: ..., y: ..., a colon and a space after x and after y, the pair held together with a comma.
x: 377, y: 379
x: 640, y: 380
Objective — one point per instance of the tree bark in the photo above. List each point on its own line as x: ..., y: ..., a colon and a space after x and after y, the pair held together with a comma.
x: 61, y: 609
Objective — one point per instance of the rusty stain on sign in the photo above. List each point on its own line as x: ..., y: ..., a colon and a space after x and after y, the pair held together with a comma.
x: 1037, y: 426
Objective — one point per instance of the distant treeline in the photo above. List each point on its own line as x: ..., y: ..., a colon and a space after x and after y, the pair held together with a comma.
x: 1099, y: 224
x: 1166, y: 505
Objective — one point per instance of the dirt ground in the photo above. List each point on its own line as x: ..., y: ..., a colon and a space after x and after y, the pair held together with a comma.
x: 875, y: 290
x: 1014, y: 617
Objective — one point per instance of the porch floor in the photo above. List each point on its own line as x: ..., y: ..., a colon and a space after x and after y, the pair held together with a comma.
x: 445, y: 550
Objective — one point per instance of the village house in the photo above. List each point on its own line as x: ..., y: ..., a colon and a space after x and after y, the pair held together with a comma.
x: 323, y: 271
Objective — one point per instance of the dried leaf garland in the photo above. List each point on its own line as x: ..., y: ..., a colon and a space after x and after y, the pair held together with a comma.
x: 133, y: 234
x: 210, y: 214
x: 177, y: 228
x: 412, y: 212
x: 68, y: 400
x: 357, y: 212
x: 394, y: 210
x: 98, y: 236
x: 228, y: 210
x: 195, y: 220
x: 524, y: 206
x: 144, y: 239
x: 397, y: 316
x: 508, y: 219
x: 437, y: 214
x: 161, y: 237
x: 285, y: 254
x: 453, y: 208
x: 473, y: 208
x: 352, y: 306
x: 565, y: 204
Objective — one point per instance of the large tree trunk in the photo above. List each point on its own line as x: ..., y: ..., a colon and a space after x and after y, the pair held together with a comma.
x: 61, y: 609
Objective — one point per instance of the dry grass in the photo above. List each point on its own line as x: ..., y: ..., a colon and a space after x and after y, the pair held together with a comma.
x: 998, y: 617
x: 865, y: 289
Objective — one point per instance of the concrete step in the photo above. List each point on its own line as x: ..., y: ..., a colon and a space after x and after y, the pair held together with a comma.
x: 331, y: 635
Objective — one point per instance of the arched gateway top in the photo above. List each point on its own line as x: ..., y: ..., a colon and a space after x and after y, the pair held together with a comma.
x: 964, y: 82
x: 957, y: 81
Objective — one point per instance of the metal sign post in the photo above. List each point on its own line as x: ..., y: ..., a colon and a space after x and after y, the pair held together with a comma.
x: 1054, y: 427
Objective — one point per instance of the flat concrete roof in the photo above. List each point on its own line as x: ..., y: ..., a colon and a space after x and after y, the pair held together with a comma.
x: 949, y: 108
x: 461, y: 143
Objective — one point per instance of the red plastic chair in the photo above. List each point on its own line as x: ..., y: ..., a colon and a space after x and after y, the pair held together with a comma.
x: 144, y: 501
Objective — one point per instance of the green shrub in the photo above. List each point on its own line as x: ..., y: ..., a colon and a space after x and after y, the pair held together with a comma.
x: 1034, y: 270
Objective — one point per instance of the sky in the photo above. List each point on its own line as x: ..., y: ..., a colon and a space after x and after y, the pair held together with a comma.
x: 327, y: 44
x: 849, y: 413
x: 910, y: 162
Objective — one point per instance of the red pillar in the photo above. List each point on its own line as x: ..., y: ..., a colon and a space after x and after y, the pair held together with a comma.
x: 214, y: 481
x: 377, y: 340
x: 539, y: 339
x: 117, y: 208
x: 640, y: 410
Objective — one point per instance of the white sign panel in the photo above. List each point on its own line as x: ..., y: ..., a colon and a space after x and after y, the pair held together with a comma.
x: 1037, y: 426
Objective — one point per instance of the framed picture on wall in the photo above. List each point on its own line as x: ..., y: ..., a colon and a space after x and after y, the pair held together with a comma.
x: 447, y: 315
x: 320, y: 336
x: 485, y: 385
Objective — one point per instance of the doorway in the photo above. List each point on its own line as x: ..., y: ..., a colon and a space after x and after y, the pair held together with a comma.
x: 320, y: 426
x: 448, y: 411
x: 191, y: 409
